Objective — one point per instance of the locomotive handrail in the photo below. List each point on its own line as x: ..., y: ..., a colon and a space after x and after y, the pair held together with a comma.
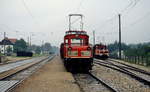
x: 81, y: 23
x: 76, y: 32
x: 75, y: 15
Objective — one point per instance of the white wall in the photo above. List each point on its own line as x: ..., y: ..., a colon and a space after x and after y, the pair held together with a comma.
x: 6, y: 46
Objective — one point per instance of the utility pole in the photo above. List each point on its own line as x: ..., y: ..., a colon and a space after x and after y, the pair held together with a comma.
x: 103, y: 39
x: 28, y: 41
x: 119, y: 36
x: 4, y: 42
x: 93, y: 37
x: 4, y: 35
x: 42, y: 47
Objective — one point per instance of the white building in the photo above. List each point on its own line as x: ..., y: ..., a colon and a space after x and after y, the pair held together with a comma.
x: 6, y: 44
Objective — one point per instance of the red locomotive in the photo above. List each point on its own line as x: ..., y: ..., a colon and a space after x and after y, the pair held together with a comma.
x: 100, y: 51
x: 76, y: 51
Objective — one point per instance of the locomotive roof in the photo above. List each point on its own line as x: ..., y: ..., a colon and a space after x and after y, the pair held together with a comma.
x: 76, y: 32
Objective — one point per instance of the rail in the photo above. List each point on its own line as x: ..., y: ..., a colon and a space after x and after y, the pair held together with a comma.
x: 6, y: 78
x: 102, y: 82
x: 123, y: 70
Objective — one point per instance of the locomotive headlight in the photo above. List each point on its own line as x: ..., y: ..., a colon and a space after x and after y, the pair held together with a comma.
x: 88, y: 48
x: 69, y: 48
x: 85, y: 53
x: 72, y: 53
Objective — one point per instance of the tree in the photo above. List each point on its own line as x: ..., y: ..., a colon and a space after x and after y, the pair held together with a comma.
x: 47, y: 47
x: 9, y: 49
x: 38, y: 50
x: 20, y: 45
x: 32, y: 48
x: 113, y: 48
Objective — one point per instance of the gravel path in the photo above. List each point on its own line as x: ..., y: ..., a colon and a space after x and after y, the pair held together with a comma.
x: 120, y: 81
x: 89, y: 84
x: 52, y: 77
x: 142, y: 75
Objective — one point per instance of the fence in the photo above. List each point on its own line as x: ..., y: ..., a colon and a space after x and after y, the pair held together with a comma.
x: 3, y: 59
x: 141, y: 60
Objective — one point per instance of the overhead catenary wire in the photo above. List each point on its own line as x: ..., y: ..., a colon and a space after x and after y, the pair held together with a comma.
x: 80, y: 5
x: 138, y: 20
x: 130, y: 6
x: 106, y: 22
x: 36, y: 23
x: 116, y: 15
x: 126, y: 10
x: 30, y: 13
x: 28, y: 10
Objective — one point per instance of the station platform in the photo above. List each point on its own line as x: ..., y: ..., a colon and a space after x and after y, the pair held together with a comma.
x: 51, y: 77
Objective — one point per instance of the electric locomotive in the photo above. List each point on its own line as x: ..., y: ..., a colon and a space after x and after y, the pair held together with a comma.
x: 76, y: 51
x: 100, y: 51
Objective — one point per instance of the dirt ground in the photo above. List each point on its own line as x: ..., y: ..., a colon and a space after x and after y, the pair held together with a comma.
x: 52, y: 77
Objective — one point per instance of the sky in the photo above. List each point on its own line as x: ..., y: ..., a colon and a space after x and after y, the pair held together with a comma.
x: 47, y: 20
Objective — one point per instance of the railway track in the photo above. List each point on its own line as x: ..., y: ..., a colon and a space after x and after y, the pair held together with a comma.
x: 124, y: 69
x: 11, y: 80
x: 130, y: 67
x: 140, y: 72
x: 90, y: 83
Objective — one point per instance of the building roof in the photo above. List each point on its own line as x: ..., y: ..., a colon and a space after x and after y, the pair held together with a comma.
x: 13, y: 40
x: 6, y: 41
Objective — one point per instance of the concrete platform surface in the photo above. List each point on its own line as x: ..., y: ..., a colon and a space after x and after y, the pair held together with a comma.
x: 52, y: 77
x: 10, y: 66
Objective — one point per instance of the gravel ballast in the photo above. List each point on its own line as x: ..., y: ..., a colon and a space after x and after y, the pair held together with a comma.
x: 119, y: 81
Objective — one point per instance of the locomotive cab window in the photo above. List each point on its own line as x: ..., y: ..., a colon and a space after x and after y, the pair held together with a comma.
x: 66, y: 41
x: 77, y: 41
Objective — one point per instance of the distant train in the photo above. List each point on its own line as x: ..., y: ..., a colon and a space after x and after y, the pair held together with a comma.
x: 24, y: 54
x: 76, y: 51
x: 100, y: 51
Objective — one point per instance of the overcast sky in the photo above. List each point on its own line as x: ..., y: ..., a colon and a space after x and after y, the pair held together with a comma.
x: 47, y: 20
